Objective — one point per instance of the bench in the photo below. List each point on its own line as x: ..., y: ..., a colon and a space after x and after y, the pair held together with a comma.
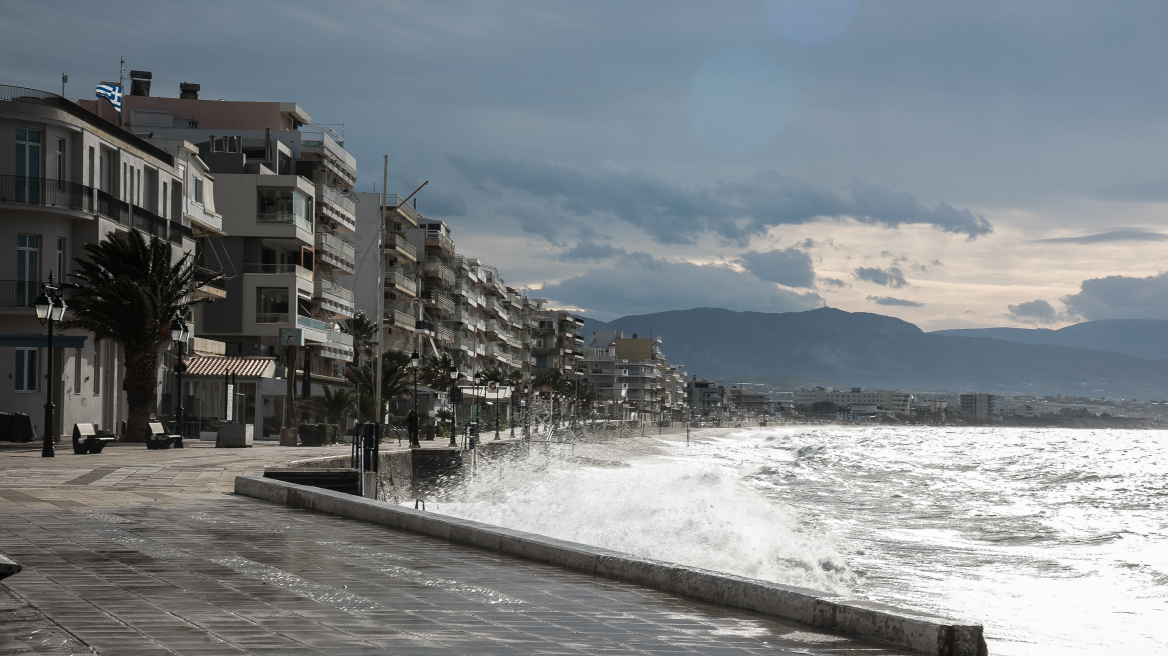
x: 160, y: 439
x: 86, y: 440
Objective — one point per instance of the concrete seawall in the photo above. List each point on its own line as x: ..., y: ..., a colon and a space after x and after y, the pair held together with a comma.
x: 919, y: 632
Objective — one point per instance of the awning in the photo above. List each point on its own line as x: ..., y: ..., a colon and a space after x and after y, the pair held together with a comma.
x: 247, y: 367
x: 42, y: 341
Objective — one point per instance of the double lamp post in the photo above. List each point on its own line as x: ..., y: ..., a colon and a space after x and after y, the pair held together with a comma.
x: 50, y: 309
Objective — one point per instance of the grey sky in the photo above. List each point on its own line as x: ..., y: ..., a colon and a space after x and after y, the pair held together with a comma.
x: 1020, y: 142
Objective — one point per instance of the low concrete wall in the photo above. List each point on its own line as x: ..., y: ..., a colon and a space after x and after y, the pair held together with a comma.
x: 8, y: 567
x: 919, y: 632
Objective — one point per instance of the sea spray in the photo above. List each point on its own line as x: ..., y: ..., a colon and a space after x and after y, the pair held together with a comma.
x: 633, y: 497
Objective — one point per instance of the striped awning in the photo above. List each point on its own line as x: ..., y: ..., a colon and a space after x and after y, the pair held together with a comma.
x: 247, y: 367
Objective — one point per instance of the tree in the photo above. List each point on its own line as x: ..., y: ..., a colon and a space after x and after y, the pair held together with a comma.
x: 335, y: 406
x: 128, y: 291
x: 435, y: 372
x: 363, y: 331
x: 396, y: 381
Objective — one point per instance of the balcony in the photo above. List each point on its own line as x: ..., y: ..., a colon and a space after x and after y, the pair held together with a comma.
x: 436, y: 268
x: 272, y: 318
x: 314, y: 329
x: 333, y: 299
x: 401, y: 246
x: 264, y: 218
x: 178, y: 232
x: 398, y: 318
x: 439, y: 300
x: 331, y: 154
x: 59, y: 194
x: 439, y: 240
x: 395, y: 278
x: 336, y: 253
x: 443, y: 333
x: 279, y: 269
x: 333, y: 205
x: 337, y: 345
x: 205, y: 224
x: 209, y: 289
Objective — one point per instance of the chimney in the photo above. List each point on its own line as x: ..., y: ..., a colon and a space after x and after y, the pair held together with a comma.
x: 140, y: 83
x: 188, y: 91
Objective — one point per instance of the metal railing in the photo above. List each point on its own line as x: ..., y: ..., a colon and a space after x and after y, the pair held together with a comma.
x: 46, y: 192
x: 434, y: 264
x: 178, y: 231
x: 38, y: 97
x: 397, y: 279
x: 206, y: 277
x: 283, y: 219
x: 278, y: 269
x: 22, y: 293
x: 399, y: 318
x: 440, y: 240
x: 401, y: 244
x: 311, y: 324
x: 440, y: 299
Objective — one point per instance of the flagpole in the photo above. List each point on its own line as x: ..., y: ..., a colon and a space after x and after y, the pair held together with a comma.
x: 122, y: 89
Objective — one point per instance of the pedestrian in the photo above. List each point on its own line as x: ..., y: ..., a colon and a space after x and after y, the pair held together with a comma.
x: 412, y: 426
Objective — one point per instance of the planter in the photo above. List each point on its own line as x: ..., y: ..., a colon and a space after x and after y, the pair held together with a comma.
x: 208, y: 436
x: 235, y: 435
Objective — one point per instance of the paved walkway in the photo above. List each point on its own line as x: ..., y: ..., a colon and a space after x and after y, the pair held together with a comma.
x: 147, y: 552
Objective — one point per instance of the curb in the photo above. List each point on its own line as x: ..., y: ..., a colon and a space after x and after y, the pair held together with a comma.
x: 920, y: 632
x: 8, y: 567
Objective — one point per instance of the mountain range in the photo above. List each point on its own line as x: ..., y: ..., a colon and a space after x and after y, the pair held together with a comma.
x: 831, y: 346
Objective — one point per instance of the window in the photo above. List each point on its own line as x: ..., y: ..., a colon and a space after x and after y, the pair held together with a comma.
x: 60, y: 164
x: 164, y: 201
x: 284, y: 206
x: 197, y: 189
x: 62, y: 259
x: 96, y: 367
x: 26, y: 370
x: 28, y: 165
x: 77, y: 372
x: 271, y: 305
x: 28, y: 252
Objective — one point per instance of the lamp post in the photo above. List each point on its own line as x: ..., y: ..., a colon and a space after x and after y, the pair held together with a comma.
x: 453, y: 408
x: 479, y: 379
x: 179, y: 334
x: 50, y: 308
x: 495, y: 384
x: 416, y: 360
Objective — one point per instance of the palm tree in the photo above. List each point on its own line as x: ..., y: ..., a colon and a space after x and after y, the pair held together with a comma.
x: 435, y: 373
x: 128, y: 291
x: 396, y: 380
x: 363, y: 331
x: 335, y: 406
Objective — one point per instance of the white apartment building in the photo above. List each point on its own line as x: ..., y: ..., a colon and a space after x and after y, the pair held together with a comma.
x: 894, y: 400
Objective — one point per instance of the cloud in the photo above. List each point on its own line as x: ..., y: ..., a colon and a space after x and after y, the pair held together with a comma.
x: 890, y: 277
x: 590, y: 250
x: 1137, y: 192
x: 1120, y: 234
x: 833, y: 282
x: 639, y: 283
x: 1037, y: 311
x: 1120, y: 297
x: 888, y: 300
x: 791, y: 267
x: 676, y: 214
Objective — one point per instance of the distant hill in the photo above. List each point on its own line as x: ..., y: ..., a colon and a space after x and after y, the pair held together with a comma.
x: 872, y: 350
x: 1143, y: 338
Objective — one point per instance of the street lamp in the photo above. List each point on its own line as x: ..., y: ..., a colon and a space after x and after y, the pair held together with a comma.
x: 479, y: 380
x: 453, y: 408
x: 495, y: 384
x: 50, y: 308
x: 416, y: 360
x: 179, y: 334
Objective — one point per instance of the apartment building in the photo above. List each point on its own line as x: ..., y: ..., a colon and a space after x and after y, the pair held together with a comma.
x: 557, y: 343
x: 893, y: 400
x: 282, y: 185
x: 977, y: 404
x: 705, y: 398
x: 633, y: 379
x: 398, y: 261
x: 750, y: 404
x: 69, y: 177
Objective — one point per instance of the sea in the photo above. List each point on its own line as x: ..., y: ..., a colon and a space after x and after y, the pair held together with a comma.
x: 1055, y: 540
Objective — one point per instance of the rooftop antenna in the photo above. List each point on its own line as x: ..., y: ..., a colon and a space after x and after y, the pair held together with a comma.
x: 64, y: 79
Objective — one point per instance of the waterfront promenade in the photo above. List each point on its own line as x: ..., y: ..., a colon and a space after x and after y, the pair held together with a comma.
x: 135, y: 552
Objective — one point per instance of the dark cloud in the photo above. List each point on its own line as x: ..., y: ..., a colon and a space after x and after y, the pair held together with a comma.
x: 833, y: 282
x: 734, y: 211
x: 1120, y: 234
x: 639, y: 283
x: 890, y: 277
x: 888, y: 300
x: 590, y: 251
x: 1037, y: 311
x: 1120, y: 297
x: 791, y: 267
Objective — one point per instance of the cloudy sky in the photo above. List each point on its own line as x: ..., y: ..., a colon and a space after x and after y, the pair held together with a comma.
x: 953, y: 164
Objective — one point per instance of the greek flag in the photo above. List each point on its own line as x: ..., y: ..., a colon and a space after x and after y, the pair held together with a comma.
x: 112, y: 93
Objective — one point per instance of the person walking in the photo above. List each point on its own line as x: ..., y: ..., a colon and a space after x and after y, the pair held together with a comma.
x: 412, y: 426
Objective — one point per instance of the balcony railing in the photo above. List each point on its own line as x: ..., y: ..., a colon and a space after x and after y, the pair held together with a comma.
x: 46, y: 192
x: 395, y: 278
x: 402, y: 244
x: 434, y: 265
x: 335, y: 154
x: 271, y: 317
x: 265, y: 218
x: 148, y: 222
x: 279, y: 269
x: 311, y: 324
x: 206, y: 277
x: 337, y: 206
x: 399, y: 318
x: 178, y: 232
x: 22, y: 293
x: 439, y: 299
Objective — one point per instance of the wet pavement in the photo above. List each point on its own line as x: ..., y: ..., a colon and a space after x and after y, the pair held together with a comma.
x: 148, y: 552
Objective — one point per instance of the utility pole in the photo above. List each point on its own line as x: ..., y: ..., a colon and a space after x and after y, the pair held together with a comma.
x: 379, y: 319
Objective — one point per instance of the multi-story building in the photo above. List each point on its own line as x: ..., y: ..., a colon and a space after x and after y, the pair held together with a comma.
x: 633, y: 379
x: 399, y: 258
x: 283, y: 187
x: 436, y: 262
x: 557, y: 343
x: 705, y: 398
x: 977, y: 404
x: 69, y: 177
x: 747, y: 403
x: 892, y: 400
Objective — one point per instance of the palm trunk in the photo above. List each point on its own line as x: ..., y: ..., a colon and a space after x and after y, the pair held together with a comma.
x: 141, y: 379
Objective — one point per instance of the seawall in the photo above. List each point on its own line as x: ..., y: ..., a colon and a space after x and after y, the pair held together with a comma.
x: 920, y: 632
